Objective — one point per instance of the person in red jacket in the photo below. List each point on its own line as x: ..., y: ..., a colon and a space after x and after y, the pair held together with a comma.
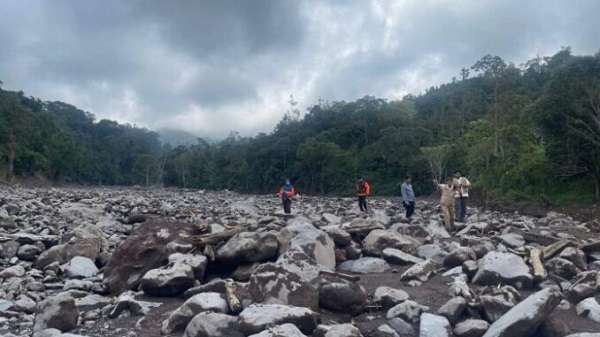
x: 287, y: 192
x: 362, y: 191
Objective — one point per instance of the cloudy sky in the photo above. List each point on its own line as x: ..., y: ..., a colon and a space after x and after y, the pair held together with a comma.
x: 210, y: 67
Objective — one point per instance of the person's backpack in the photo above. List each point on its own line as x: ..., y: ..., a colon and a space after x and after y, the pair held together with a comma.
x: 361, y: 187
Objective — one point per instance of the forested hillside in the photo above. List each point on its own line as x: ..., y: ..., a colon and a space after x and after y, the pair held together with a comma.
x: 531, y: 130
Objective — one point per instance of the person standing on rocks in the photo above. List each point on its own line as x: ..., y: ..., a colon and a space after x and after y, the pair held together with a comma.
x: 287, y: 192
x: 447, y: 201
x: 408, y: 197
x: 461, y: 196
x: 363, y: 189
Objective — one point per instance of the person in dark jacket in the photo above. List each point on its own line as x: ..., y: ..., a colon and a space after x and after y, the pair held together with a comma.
x: 363, y: 189
x: 408, y: 197
x: 287, y: 192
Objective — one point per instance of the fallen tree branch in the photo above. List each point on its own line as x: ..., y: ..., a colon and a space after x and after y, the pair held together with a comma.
x: 555, y: 248
x: 231, y: 297
x: 535, y: 257
x: 352, y: 278
x: 215, y: 238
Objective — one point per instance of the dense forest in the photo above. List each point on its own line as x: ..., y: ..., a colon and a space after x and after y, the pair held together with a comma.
x: 527, y: 131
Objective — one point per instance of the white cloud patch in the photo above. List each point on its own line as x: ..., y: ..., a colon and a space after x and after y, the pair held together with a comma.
x: 214, y: 67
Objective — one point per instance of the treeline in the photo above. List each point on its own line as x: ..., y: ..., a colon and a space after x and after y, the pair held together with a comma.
x: 531, y: 130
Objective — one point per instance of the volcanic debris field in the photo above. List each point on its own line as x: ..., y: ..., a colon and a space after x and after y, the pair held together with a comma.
x: 164, y: 262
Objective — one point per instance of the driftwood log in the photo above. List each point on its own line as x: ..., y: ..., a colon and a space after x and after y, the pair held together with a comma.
x: 215, y: 238
x: 551, y: 250
x: 231, y: 297
x: 535, y: 258
x: 352, y: 278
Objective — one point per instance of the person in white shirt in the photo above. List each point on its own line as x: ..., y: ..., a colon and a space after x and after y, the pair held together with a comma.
x: 461, y: 196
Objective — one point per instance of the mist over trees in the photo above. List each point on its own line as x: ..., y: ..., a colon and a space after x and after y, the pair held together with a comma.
x: 530, y: 130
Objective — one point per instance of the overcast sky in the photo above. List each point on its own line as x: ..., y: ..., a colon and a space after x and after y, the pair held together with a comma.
x: 210, y: 67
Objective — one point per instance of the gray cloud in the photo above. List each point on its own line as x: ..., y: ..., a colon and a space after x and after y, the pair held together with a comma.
x: 210, y: 67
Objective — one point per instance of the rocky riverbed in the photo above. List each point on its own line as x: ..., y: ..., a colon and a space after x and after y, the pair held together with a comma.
x: 137, y: 262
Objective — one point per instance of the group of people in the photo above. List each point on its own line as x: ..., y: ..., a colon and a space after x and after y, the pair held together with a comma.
x: 454, y: 199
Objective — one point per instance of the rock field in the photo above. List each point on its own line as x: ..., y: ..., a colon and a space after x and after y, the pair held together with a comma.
x: 164, y: 262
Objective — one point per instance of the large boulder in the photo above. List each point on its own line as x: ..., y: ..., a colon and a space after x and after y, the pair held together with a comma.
x: 347, y: 298
x: 274, y: 284
x: 248, y: 247
x: 421, y: 271
x: 87, y: 241
x: 337, y: 330
x: 181, y: 317
x: 507, y: 268
x: 284, y: 330
x: 59, y: 312
x: 169, y: 281
x: 145, y: 249
x: 434, y: 326
x: 365, y: 265
x: 79, y: 267
x: 525, y: 317
x: 380, y: 239
x: 213, y: 324
x: 316, y: 244
x: 471, y: 328
x: 257, y: 317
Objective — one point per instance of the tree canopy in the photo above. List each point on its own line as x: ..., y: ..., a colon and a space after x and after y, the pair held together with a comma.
x: 519, y: 131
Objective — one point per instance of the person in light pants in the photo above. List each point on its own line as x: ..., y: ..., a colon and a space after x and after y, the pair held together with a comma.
x: 461, y: 196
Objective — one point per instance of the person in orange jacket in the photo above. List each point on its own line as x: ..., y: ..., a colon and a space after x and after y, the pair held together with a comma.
x: 287, y: 192
x: 362, y: 191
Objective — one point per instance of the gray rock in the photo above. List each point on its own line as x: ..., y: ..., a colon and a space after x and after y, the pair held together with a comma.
x: 337, y: 330
x: 180, y: 318
x: 471, y: 328
x: 127, y: 302
x: 257, y: 317
x: 25, y: 304
x: 526, y: 316
x: 589, y: 308
x: 298, y: 262
x: 577, y: 256
x: 198, y: 263
x: 453, y: 309
x: 512, y: 240
x: 365, y: 265
x: 389, y: 297
x: 434, y: 326
x: 317, y: 245
x: 421, y: 271
x: 402, y: 328
x: 495, y: 306
x: 380, y: 239
x: 59, y: 312
x: 347, y: 298
x: 409, y: 311
x: 586, y: 285
x: 5, y: 305
x: 80, y: 267
x: 210, y: 324
x: 384, y: 330
x: 396, y: 256
x: 432, y: 251
x: 496, y: 267
x: 561, y: 267
x: 272, y: 283
x: 168, y: 282
x: 28, y: 252
x: 458, y: 257
x: 284, y: 330
x: 585, y: 334
x: 470, y: 268
x: 92, y: 302
x: 340, y: 237
x: 87, y: 241
x: 9, y: 249
x: 14, y: 271
x: 248, y: 247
